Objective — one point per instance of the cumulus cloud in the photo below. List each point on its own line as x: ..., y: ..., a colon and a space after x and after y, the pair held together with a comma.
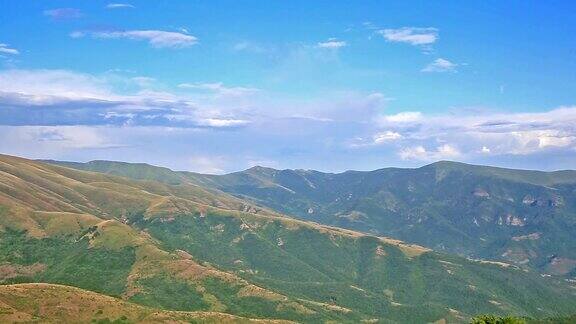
x: 63, y: 13
x: 440, y: 65
x: 6, y: 49
x: 411, y: 35
x: 332, y: 43
x: 429, y: 137
x: 442, y: 152
x: 156, y: 38
x: 59, y: 97
x: 119, y: 6
x: 342, y: 130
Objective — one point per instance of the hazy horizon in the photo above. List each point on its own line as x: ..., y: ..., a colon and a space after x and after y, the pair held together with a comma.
x: 304, y: 168
x: 221, y: 86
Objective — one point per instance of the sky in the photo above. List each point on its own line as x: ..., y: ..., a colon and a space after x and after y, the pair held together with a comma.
x: 220, y: 86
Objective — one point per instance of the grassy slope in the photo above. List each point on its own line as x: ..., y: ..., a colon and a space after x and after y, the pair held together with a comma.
x: 524, y: 217
x: 48, y: 235
x: 56, y: 303
x: 518, y: 216
x: 161, y: 246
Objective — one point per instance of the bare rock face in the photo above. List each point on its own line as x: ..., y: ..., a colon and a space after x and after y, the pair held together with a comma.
x: 560, y: 266
x: 529, y: 200
x: 511, y: 220
x: 481, y: 193
x: 557, y: 201
x: 554, y: 201
x: 532, y: 237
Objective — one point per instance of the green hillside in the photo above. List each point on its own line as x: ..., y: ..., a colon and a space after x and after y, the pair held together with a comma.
x: 523, y: 217
x: 180, y: 247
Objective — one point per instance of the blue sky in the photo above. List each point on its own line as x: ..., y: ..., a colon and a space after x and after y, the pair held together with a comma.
x: 219, y: 86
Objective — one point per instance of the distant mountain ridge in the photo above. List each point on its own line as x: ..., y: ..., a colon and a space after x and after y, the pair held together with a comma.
x: 520, y: 216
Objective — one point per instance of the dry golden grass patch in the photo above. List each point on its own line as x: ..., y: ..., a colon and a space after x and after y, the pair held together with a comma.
x: 63, y: 304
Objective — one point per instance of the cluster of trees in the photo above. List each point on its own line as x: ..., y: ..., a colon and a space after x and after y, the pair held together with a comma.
x: 493, y: 319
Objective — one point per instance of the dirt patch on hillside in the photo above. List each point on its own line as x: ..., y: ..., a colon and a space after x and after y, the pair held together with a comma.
x: 9, y: 271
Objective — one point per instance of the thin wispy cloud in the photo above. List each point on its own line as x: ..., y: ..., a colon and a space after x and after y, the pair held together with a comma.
x: 156, y: 38
x: 250, y: 47
x: 332, y: 43
x: 63, y: 13
x: 6, y: 49
x: 411, y: 35
x: 119, y: 6
x: 387, y: 136
x: 440, y: 65
x: 218, y: 87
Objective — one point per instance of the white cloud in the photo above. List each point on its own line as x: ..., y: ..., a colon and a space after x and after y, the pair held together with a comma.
x: 491, y: 133
x: 411, y: 35
x: 216, y: 122
x: 387, y: 136
x: 440, y: 65
x: 42, y: 86
x: 156, y: 38
x: 119, y: 6
x: 63, y: 13
x: 416, y: 152
x: 54, y: 97
x: 6, y: 49
x: 332, y: 43
x: 294, y: 132
x: 218, y: 87
x: 445, y: 151
x: 531, y: 141
x: 403, y: 117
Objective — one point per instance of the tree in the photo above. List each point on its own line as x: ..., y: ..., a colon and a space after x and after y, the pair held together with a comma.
x: 493, y: 319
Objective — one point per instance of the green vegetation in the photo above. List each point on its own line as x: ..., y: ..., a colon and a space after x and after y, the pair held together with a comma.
x: 68, y: 262
x: 182, y: 247
x: 169, y: 294
x: 527, y: 218
x: 492, y: 319
x: 554, y: 320
x: 523, y: 217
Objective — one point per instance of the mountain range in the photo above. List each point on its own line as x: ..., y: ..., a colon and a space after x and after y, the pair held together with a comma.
x: 111, y: 241
x: 527, y: 218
